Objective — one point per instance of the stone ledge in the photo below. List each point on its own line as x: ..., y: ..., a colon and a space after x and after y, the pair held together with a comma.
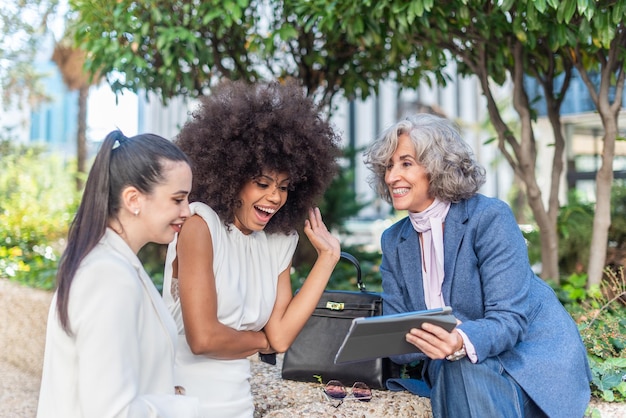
x: 22, y: 339
x: 275, y: 397
x: 23, y: 325
x: 22, y: 336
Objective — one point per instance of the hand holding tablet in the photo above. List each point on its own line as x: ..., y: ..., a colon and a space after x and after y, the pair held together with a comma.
x: 384, y: 336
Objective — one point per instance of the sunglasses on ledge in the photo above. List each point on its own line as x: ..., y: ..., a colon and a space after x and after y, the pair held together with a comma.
x: 336, y: 390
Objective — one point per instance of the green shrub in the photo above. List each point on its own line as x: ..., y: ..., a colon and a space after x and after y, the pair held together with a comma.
x: 37, y: 203
x: 344, y: 276
x: 617, y: 230
x: 575, y: 227
x: 601, y: 316
x: 152, y: 256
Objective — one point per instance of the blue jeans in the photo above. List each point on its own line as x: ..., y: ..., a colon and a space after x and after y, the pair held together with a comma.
x: 461, y: 389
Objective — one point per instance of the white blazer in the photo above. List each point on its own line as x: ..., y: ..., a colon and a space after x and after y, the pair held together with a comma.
x: 119, y: 360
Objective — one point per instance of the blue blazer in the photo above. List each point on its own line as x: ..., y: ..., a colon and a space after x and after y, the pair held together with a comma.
x: 505, y: 309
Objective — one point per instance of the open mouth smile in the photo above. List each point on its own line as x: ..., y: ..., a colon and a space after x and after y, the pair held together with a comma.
x: 265, y: 213
x: 400, y: 191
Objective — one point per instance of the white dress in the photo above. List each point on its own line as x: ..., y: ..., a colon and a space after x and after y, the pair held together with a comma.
x: 246, y: 269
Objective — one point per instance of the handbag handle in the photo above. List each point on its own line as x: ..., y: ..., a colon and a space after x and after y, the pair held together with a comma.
x: 352, y: 259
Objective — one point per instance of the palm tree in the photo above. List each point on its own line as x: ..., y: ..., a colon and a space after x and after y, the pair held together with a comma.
x: 70, y: 61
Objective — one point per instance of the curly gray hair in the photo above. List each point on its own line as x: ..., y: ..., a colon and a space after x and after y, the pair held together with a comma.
x: 448, y: 160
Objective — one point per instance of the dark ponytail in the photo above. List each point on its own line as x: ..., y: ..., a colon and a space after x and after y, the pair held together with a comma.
x: 120, y: 162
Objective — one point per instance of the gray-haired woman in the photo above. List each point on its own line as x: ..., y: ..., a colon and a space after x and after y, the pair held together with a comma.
x: 516, y: 351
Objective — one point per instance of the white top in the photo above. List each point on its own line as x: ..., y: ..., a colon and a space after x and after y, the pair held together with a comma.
x: 119, y: 360
x: 246, y: 269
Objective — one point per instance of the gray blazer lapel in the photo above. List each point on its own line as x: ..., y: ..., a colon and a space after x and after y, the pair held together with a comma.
x: 454, y: 230
x: 410, y: 257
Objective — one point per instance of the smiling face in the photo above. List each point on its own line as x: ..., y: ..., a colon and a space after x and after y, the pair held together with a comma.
x: 166, y: 208
x: 407, y: 180
x: 261, y: 198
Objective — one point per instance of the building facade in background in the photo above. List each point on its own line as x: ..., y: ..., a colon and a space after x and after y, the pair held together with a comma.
x: 358, y: 122
x: 54, y: 122
x: 583, y: 132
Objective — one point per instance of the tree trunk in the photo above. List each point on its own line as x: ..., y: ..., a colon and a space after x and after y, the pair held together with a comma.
x: 602, y: 216
x: 612, y: 77
x: 81, y: 137
x: 523, y: 161
x: 547, y: 230
x: 550, y: 237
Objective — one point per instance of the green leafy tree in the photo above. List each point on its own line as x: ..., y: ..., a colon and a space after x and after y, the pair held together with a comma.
x: 483, y: 40
x: 506, y: 42
x: 596, y: 46
x: 348, y: 47
x: 23, y: 25
x: 176, y: 47
x: 330, y: 46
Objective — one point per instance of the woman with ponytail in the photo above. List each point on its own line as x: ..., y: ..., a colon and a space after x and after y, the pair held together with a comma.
x: 110, y: 339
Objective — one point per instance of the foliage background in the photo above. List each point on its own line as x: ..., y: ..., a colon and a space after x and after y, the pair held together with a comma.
x: 37, y: 202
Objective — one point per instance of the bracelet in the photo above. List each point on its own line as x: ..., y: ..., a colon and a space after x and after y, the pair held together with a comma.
x: 457, y: 355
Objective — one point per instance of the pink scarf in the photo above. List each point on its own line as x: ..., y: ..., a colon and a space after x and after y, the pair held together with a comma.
x: 429, y: 224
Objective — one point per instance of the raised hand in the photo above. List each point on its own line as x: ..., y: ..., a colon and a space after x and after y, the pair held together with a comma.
x: 325, y: 243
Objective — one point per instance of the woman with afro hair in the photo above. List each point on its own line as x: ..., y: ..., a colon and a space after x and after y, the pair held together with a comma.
x: 261, y: 157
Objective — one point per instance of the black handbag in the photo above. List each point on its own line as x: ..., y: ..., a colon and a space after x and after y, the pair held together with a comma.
x: 311, y: 356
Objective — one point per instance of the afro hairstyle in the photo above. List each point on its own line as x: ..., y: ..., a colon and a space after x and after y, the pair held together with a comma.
x: 241, y: 130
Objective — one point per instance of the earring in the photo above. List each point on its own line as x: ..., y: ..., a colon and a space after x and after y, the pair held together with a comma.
x: 136, y: 212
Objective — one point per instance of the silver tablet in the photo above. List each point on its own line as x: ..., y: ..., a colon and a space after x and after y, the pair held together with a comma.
x: 384, y: 336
